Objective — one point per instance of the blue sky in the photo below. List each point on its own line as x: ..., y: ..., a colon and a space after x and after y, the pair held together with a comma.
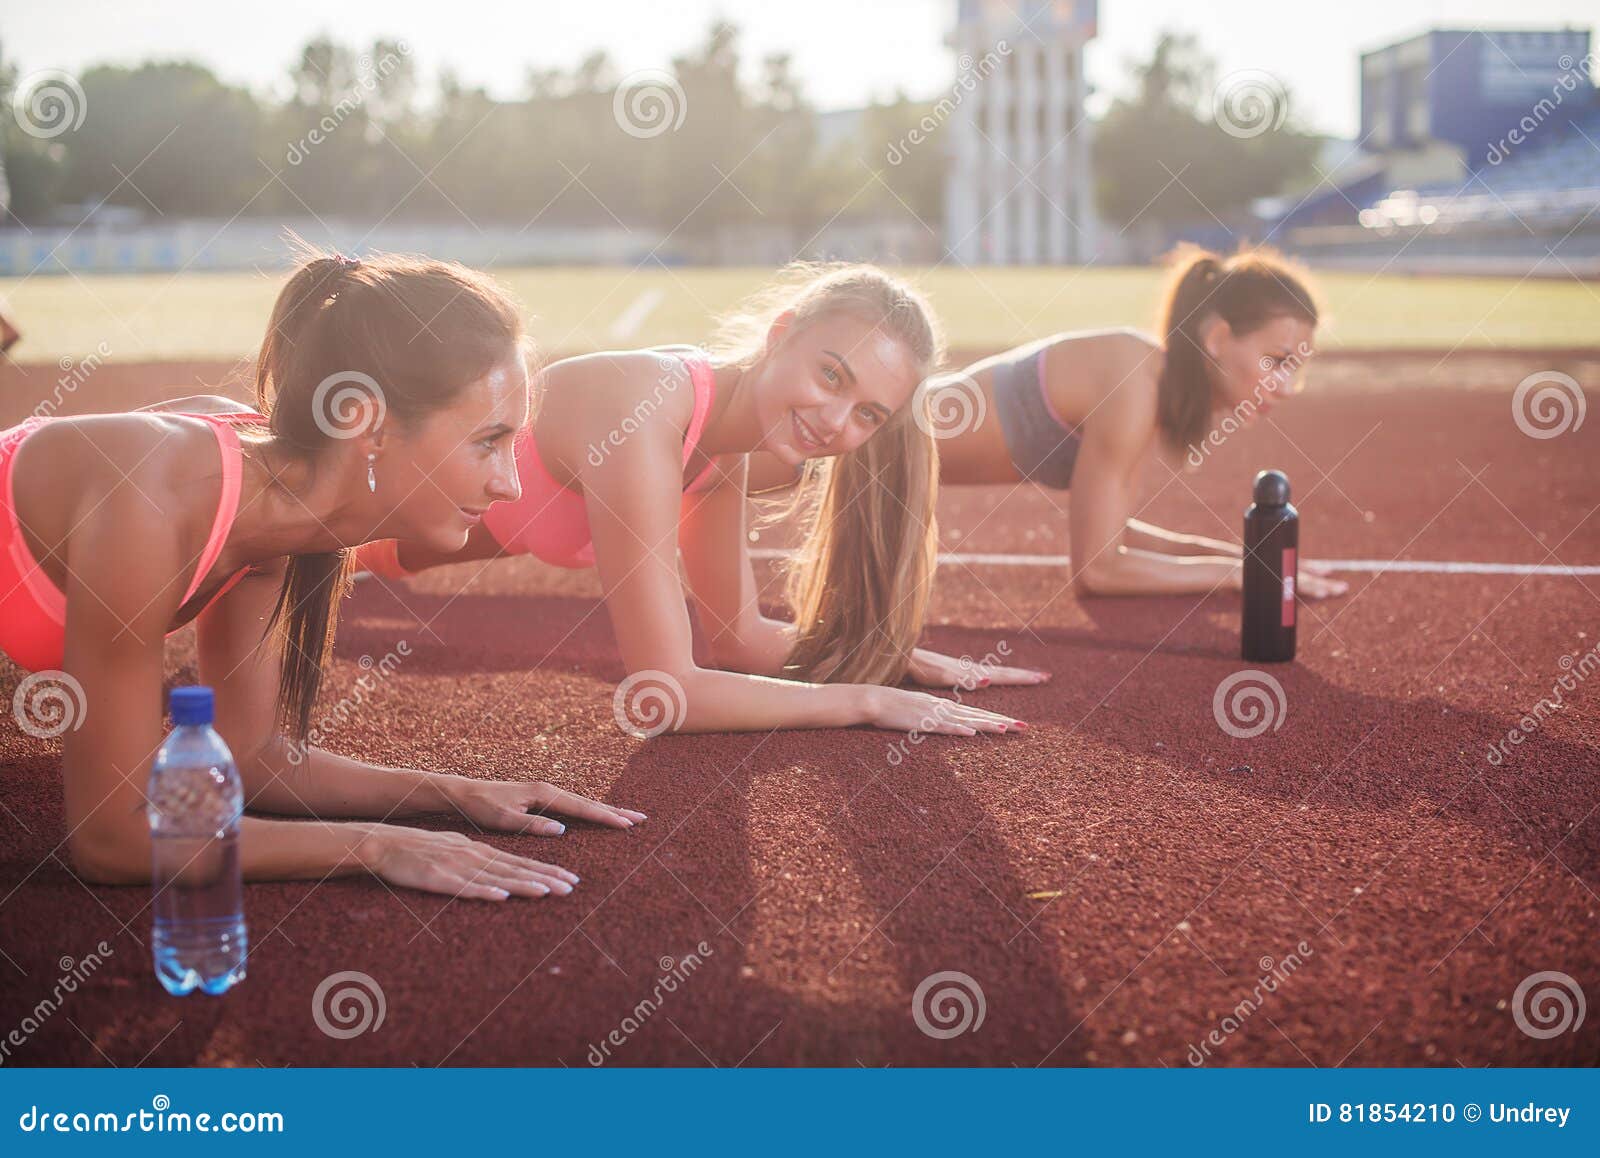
x: 846, y: 51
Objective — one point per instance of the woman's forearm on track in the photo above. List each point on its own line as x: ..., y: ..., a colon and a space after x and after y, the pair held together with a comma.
x: 292, y: 779
x: 287, y: 850
x: 1149, y: 537
x: 269, y: 850
x: 719, y: 701
x: 1133, y: 571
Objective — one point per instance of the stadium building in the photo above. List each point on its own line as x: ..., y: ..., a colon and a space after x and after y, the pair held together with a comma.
x: 1479, y: 149
x: 1018, y: 187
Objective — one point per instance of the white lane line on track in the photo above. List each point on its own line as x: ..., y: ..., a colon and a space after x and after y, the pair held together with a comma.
x: 1376, y: 566
x: 630, y: 319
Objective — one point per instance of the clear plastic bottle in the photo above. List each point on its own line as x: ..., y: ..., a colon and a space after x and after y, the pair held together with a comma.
x: 195, y: 801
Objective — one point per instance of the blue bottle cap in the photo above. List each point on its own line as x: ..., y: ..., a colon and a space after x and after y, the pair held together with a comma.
x: 195, y: 705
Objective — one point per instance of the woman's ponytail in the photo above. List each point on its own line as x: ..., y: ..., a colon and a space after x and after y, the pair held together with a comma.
x: 1183, y: 399
x: 362, y: 320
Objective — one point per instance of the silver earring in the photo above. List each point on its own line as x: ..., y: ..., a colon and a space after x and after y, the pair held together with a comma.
x: 372, y: 473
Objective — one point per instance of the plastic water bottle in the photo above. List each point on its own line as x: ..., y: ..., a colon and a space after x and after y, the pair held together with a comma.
x: 1271, y: 550
x: 195, y: 800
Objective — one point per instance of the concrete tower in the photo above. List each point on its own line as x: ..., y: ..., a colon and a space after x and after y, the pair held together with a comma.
x: 1020, y: 187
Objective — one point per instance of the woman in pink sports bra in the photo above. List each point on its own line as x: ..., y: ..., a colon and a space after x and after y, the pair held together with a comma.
x: 117, y: 529
x: 638, y: 454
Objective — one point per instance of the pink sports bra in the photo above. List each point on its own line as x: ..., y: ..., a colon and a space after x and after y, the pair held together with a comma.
x: 33, y: 610
x: 551, y: 521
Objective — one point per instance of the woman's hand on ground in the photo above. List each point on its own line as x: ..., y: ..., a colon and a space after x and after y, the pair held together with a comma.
x: 520, y: 805
x: 930, y: 669
x: 1320, y: 585
x: 902, y: 710
x: 456, y: 865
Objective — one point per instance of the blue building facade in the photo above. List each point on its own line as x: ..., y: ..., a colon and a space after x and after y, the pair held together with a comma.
x: 1470, y: 88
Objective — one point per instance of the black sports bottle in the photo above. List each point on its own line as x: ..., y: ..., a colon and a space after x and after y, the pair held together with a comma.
x: 1271, y: 548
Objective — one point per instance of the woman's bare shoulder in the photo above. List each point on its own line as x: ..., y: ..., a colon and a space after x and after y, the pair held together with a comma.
x: 139, y: 461
x: 611, y: 385
x: 1123, y: 361
x: 123, y: 496
x: 197, y: 404
x: 1125, y: 369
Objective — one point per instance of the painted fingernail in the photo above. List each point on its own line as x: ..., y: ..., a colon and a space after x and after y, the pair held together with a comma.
x: 1002, y: 727
x: 984, y: 682
x: 554, y: 828
x: 563, y: 888
x: 1020, y: 726
x: 499, y: 894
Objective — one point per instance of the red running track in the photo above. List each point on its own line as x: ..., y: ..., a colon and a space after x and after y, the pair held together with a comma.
x: 1113, y: 882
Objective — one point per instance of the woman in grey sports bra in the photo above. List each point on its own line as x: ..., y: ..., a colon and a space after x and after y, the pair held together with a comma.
x: 1043, y: 446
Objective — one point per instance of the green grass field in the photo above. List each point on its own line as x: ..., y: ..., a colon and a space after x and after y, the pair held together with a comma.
x: 209, y: 315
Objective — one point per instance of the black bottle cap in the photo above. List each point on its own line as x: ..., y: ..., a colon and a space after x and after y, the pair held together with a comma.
x: 1272, y: 488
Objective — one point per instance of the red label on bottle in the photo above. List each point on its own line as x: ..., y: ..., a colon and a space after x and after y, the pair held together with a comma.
x: 1288, y: 587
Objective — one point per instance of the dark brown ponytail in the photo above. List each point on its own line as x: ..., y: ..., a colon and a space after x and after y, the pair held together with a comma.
x: 1247, y: 291
x: 420, y: 330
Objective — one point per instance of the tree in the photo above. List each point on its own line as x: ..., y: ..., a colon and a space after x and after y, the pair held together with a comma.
x: 780, y: 174
x: 347, y: 138
x: 168, y: 139
x: 1165, y: 156
x: 31, y: 168
x: 914, y: 142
